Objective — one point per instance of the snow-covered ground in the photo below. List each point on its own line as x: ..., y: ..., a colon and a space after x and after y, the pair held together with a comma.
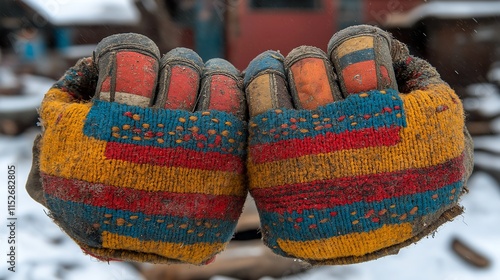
x: 31, y: 93
x: 64, y: 12
x: 45, y: 253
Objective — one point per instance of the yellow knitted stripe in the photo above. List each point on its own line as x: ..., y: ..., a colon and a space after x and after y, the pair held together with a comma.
x: 66, y: 152
x: 430, y: 138
x: 354, y: 244
x: 195, y: 253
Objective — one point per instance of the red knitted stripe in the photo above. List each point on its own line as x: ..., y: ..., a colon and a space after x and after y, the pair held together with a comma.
x: 190, y: 205
x: 367, y: 188
x: 178, y: 157
x: 329, y: 142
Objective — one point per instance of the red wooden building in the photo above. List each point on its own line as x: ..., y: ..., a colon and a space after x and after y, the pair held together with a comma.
x: 253, y: 26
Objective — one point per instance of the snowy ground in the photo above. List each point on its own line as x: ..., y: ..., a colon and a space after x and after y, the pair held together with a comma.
x: 45, y: 253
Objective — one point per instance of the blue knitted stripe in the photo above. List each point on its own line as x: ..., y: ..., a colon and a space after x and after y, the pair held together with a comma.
x: 214, y: 132
x: 83, y: 218
x: 373, y: 110
x: 359, y: 216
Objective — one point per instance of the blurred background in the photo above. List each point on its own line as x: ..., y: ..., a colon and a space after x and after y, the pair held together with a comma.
x: 40, y: 39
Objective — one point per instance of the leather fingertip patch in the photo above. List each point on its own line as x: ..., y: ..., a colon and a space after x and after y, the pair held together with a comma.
x: 182, y: 89
x: 311, y: 82
x: 225, y: 95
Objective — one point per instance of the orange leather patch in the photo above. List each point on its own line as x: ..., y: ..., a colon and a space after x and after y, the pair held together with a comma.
x: 360, y: 77
x: 312, y: 84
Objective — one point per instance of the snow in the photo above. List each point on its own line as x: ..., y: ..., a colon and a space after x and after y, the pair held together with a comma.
x: 88, y: 12
x: 33, y: 89
x: 494, y: 73
x: 44, y: 252
x: 7, y: 78
x: 485, y: 97
x: 487, y: 142
x: 446, y: 10
x: 79, y: 51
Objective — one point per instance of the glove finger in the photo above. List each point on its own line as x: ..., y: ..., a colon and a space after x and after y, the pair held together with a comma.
x: 180, y: 75
x: 361, y: 56
x: 265, y: 84
x: 128, y: 69
x: 311, y: 77
x: 411, y: 72
x: 221, y: 89
x: 80, y: 80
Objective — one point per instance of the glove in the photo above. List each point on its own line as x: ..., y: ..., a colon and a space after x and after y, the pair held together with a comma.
x: 131, y: 166
x: 366, y: 154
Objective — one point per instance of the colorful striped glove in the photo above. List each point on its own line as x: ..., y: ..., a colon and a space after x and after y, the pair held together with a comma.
x: 144, y: 183
x: 349, y: 180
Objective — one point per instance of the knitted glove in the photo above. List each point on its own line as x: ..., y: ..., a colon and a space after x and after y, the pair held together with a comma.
x: 138, y: 183
x: 362, y: 177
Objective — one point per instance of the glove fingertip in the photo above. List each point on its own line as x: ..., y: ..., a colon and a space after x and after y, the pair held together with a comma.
x: 80, y: 80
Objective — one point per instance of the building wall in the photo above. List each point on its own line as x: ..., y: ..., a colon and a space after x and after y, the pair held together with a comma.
x: 250, y: 31
x: 253, y: 31
x: 377, y: 11
x: 463, y: 50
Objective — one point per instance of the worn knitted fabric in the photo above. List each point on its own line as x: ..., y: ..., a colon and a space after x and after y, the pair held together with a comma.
x: 359, y: 178
x: 142, y: 184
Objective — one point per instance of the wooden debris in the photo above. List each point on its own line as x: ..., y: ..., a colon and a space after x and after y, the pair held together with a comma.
x: 469, y: 255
